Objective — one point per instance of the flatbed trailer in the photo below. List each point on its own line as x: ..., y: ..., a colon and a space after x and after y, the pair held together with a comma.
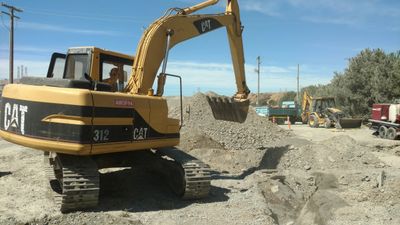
x: 385, y: 129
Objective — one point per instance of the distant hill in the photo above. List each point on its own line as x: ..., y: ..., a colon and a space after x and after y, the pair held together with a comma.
x: 268, y: 98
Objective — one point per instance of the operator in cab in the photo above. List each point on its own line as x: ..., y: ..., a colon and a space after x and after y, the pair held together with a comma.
x: 113, y: 79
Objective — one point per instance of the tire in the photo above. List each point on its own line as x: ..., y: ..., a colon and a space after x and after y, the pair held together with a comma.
x: 382, y: 131
x: 313, y: 121
x: 328, y: 123
x: 391, y: 133
x: 292, y: 120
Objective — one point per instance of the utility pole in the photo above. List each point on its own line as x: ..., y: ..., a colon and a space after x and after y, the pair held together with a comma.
x: 298, y: 84
x: 11, y: 13
x: 258, y: 78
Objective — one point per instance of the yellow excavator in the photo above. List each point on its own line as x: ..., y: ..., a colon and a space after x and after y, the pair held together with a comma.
x: 322, y: 111
x: 87, y: 115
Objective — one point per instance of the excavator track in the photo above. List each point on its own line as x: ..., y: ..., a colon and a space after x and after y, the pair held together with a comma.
x: 74, y: 181
x: 196, y: 175
x: 197, y: 179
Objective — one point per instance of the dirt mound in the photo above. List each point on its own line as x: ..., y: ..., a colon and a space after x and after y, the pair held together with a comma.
x: 255, y: 133
x: 226, y: 146
x: 337, y: 152
x: 85, y: 218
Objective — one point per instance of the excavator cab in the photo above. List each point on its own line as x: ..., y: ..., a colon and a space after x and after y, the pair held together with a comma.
x: 320, y: 105
x: 93, y: 65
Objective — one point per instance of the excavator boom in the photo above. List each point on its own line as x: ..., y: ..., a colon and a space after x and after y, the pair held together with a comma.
x: 172, y: 29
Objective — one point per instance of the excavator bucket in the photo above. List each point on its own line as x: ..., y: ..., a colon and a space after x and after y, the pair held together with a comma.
x: 228, y: 109
x: 349, y: 123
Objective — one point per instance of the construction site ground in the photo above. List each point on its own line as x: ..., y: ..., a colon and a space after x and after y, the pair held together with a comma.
x: 262, y: 173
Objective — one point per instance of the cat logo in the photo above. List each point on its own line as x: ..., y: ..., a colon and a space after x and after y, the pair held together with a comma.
x: 14, y: 116
x: 140, y: 133
x: 207, y: 24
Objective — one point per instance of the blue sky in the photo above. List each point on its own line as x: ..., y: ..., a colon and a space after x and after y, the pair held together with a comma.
x: 320, y: 35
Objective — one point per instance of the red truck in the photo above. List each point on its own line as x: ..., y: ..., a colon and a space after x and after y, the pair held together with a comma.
x: 386, y: 120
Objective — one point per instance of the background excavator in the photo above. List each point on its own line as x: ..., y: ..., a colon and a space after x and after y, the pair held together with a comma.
x: 86, y: 114
x: 322, y: 111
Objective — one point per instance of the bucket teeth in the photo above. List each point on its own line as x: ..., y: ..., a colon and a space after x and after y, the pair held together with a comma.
x: 228, y: 109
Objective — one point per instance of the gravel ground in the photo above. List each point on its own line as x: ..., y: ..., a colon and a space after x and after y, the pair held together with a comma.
x: 262, y: 174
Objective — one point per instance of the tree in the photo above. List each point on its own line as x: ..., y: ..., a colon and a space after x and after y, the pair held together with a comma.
x: 289, y: 96
x: 371, y: 77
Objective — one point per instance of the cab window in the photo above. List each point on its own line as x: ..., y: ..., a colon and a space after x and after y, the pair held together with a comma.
x: 114, y: 71
x: 76, y: 66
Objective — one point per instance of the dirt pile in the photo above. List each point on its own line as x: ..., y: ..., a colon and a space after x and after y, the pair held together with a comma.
x: 255, y: 133
x: 339, y: 152
x: 86, y: 218
x: 228, y: 147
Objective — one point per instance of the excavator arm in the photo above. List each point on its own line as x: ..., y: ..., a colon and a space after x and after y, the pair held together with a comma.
x: 306, y: 107
x: 173, y: 28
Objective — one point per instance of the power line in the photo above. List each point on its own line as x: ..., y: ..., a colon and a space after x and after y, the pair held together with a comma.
x: 2, y: 21
x: 12, y: 16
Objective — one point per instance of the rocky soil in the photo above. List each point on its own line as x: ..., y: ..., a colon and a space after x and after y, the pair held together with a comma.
x: 262, y: 174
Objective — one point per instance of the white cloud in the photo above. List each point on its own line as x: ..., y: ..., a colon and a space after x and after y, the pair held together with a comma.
x: 35, y: 67
x: 58, y: 28
x: 345, y: 12
x: 206, y: 76
x: 196, y: 65
x: 220, y: 77
x: 270, y: 8
x: 26, y: 48
x: 86, y: 16
x: 330, y: 20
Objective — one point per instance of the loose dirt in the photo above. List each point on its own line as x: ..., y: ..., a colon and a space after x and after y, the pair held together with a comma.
x: 261, y: 174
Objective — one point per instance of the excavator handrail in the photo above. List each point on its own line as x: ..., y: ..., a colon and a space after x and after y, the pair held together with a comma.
x: 192, y: 9
x: 152, y: 48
